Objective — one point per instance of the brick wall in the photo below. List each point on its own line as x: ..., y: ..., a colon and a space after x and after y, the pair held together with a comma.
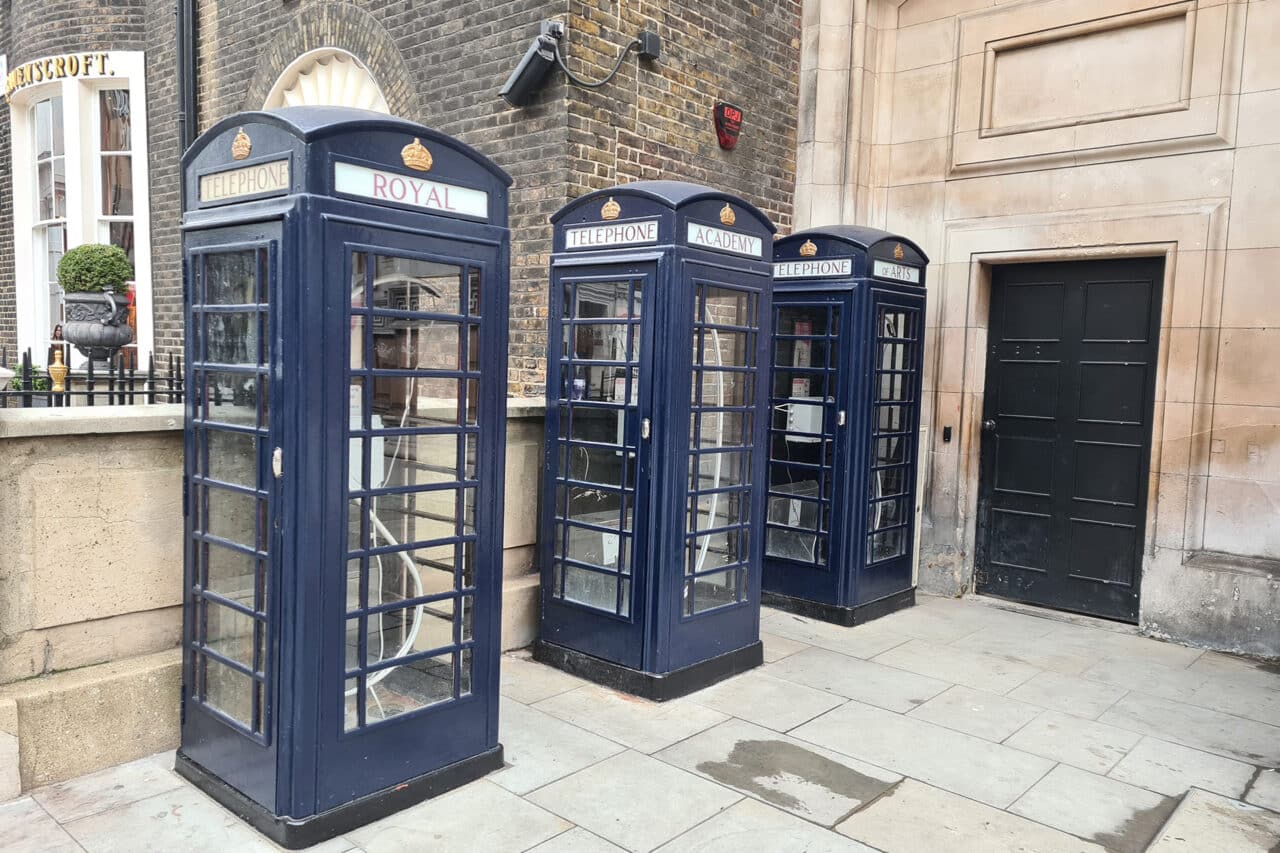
x: 442, y: 62
x: 8, y: 317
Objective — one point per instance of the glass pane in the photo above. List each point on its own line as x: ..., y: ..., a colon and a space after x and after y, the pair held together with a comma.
x: 591, y: 588
x: 230, y: 633
x: 725, y: 307
x: 712, y: 551
x: 400, y: 401
x: 888, y: 482
x: 893, y: 356
x: 117, y: 185
x: 718, y: 470
x: 44, y: 183
x: 588, y: 464
x: 113, y: 120
x: 891, y: 418
x: 44, y: 127
x: 408, y: 460
x: 57, y: 135
x: 886, y: 545
x: 60, y: 187
x: 891, y: 451
x: 882, y: 514
x: 230, y: 278
x: 400, y: 633
x: 121, y: 234
x: 598, y: 506
x: 233, y: 516
x: 722, y: 388
x: 402, y: 343
x: 893, y: 387
x: 232, y: 338
x: 230, y: 573
x: 722, y: 429
x: 229, y: 691
x: 403, y: 689
x: 601, y: 342
x: 231, y: 398
x: 589, y: 300
x: 717, y: 590
x: 596, y: 547
x: 893, y: 324
x: 414, y: 517
x: 793, y: 545
x: 233, y: 458
x: 405, y: 284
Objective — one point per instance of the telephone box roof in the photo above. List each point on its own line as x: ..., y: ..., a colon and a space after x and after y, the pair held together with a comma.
x: 673, y: 194
x: 858, y: 236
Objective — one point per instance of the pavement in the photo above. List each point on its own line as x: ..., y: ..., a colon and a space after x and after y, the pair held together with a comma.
x: 954, y: 726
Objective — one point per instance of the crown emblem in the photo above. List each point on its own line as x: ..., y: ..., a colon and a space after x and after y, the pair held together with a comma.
x: 611, y: 209
x: 897, y: 252
x: 241, y: 145
x: 416, y: 156
x: 808, y: 250
x: 727, y: 216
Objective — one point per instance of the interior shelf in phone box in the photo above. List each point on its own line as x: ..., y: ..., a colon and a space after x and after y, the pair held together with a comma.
x: 653, y: 487
x: 346, y: 307
x: 844, y: 449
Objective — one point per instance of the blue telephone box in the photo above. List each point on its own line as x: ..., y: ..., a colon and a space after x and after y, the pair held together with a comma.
x: 346, y: 311
x: 845, y: 418
x: 653, y: 493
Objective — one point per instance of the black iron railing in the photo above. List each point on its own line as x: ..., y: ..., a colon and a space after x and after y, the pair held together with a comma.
x: 120, y: 384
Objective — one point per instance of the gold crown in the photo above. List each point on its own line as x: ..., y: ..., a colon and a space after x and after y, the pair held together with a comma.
x: 808, y: 250
x: 727, y: 215
x: 611, y: 209
x: 416, y: 156
x: 897, y: 252
x: 241, y: 145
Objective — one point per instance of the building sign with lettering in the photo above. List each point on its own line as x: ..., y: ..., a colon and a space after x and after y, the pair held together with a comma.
x: 815, y: 268
x: 725, y: 241
x: 259, y: 179
x: 413, y: 192
x: 57, y: 68
x: 613, y: 234
x: 896, y: 272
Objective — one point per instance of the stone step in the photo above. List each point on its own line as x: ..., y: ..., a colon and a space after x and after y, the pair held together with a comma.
x: 1206, y: 821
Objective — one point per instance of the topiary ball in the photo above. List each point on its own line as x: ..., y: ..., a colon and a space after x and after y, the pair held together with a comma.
x: 93, y: 268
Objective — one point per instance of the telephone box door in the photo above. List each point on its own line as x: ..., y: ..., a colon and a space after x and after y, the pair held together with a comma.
x: 598, y: 460
x: 407, y: 666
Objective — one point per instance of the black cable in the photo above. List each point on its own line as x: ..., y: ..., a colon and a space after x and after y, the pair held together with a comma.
x: 577, y: 81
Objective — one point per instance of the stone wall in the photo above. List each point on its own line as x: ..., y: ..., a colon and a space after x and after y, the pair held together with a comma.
x: 992, y: 132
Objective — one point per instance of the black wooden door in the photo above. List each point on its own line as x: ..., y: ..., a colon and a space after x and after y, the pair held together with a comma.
x: 1066, y: 433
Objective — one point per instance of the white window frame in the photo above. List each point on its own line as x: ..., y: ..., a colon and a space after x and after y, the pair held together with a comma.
x: 84, y: 221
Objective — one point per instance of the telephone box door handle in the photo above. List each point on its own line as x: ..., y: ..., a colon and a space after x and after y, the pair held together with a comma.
x: 277, y: 463
x: 840, y: 418
x: 644, y: 428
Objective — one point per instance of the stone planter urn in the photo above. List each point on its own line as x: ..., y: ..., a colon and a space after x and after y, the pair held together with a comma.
x: 97, y: 324
x: 92, y: 278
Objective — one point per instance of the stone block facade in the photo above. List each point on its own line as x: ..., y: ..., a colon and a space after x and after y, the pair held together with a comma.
x: 997, y: 132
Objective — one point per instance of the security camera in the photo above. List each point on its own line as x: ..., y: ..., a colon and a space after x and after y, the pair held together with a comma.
x: 531, y: 73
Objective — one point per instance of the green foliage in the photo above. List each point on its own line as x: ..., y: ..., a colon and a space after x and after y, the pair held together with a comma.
x: 39, y: 380
x: 93, y: 268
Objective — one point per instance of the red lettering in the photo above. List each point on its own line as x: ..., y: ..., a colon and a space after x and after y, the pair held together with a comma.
x: 398, y: 191
x: 379, y: 185
x: 416, y: 186
x: 433, y: 198
x: 448, y: 205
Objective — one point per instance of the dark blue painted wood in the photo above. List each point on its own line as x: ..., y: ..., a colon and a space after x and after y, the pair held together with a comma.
x: 655, y: 634
x: 300, y: 762
x: 850, y: 579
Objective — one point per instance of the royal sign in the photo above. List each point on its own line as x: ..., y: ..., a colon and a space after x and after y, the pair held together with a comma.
x: 725, y: 241
x: 259, y: 179
x: 378, y: 185
x: 825, y: 268
x: 615, y: 234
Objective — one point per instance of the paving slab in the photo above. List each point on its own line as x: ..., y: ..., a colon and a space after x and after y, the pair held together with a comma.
x: 1207, y: 821
x: 1123, y: 818
x: 1153, y: 679
x: 1256, y: 697
x: 576, y: 840
x: 27, y: 828
x: 976, y: 712
x: 852, y: 678
x: 1265, y: 790
x: 862, y: 641
x: 1251, y: 670
x: 540, y: 748
x: 981, y: 671
x: 110, y: 788
x: 814, y: 783
x: 1069, y: 694
x: 181, y: 819
x: 960, y: 763
x: 634, y: 800
x: 767, y: 701
x: 637, y: 723
x: 1041, y: 652
x: 1081, y: 743
x: 476, y: 818
x: 777, y: 647
x: 751, y: 825
x: 1108, y: 642
x: 1172, y: 769
x: 1202, y: 728
x: 917, y: 817
x: 525, y: 680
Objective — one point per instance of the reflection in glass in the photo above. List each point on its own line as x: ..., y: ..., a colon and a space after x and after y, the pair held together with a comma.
x: 229, y: 691
x: 230, y: 278
x: 233, y: 516
x: 231, y: 398
x: 410, y: 284
x: 233, y: 457
x: 230, y: 633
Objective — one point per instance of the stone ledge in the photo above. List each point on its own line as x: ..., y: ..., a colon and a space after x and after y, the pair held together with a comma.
x: 72, y: 723
x: 90, y: 420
